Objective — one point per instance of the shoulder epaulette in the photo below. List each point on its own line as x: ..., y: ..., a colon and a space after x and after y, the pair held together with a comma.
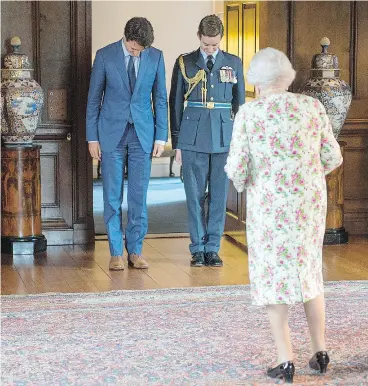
x: 188, y: 53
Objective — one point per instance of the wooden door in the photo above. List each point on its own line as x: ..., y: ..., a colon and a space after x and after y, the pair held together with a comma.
x: 241, y: 37
x: 56, y: 35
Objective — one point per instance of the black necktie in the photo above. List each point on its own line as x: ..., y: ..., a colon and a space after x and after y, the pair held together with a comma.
x: 132, y: 78
x: 210, y: 62
x: 131, y: 73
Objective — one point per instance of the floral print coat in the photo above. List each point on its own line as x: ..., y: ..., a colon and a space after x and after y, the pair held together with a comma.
x: 282, y: 146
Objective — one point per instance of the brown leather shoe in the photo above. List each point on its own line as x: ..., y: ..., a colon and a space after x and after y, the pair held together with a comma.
x: 116, y: 263
x: 137, y: 261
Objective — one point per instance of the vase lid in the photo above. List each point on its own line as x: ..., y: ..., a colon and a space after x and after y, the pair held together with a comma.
x: 325, y: 60
x: 16, y: 60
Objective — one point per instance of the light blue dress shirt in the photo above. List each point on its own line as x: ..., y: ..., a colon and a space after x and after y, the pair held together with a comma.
x: 206, y: 55
x: 136, y: 59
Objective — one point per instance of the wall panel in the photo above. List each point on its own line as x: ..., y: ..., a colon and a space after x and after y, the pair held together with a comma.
x: 56, y: 35
x: 314, y: 21
x: 296, y: 27
x: 22, y: 11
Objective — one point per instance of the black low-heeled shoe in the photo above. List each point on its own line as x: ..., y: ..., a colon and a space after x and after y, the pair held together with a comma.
x: 319, y: 361
x: 285, y: 370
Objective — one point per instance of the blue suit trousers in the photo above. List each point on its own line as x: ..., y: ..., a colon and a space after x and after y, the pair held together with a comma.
x: 112, y: 171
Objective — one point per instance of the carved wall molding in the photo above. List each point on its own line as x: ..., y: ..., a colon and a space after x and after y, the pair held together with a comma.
x: 353, y: 47
x: 290, y: 35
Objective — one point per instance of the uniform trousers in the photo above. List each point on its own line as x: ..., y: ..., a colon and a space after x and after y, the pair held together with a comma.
x: 202, y: 171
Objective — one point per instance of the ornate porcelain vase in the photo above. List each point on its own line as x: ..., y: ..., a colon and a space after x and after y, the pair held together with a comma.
x: 21, y: 99
x: 325, y: 85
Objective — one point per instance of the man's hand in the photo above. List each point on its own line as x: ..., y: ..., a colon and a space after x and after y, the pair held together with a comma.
x: 95, y: 150
x: 178, y: 156
x: 158, y: 150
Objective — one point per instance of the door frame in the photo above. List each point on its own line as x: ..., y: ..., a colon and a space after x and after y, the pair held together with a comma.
x: 69, y: 139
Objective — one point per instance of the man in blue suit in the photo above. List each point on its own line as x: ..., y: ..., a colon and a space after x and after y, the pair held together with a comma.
x: 127, y: 114
x: 206, y: 90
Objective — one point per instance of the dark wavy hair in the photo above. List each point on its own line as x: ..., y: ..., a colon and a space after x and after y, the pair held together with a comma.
x: 211, y: 26
x: 140, y: 30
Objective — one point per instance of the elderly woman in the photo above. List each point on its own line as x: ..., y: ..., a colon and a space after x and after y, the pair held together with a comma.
x: 282, y: 147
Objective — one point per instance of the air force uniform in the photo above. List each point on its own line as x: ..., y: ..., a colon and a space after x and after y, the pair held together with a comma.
x: 206, y: 93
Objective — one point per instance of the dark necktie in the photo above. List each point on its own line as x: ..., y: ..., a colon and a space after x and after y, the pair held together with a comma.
x: 132, y: 78
x: 131, y: 73
x: 210, y: 62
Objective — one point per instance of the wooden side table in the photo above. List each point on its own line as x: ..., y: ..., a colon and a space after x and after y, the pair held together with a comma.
x: 21, y: 231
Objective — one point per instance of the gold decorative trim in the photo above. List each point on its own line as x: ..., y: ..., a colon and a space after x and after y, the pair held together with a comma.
x: 193, y: 82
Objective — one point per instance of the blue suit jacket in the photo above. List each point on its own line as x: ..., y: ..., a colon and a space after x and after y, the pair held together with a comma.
x: 200, y: 129
x: 110, y: 99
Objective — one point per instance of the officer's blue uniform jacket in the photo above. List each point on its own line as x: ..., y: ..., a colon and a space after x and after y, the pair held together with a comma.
x: 202, y: 129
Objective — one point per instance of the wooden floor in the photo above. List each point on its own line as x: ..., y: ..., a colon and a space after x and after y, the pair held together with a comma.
x: 84, y: 268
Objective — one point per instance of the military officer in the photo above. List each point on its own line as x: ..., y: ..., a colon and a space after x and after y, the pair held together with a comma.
x: 207, y: 88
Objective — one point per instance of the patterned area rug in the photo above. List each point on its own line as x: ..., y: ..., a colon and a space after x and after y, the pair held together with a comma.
x: 199, y: 336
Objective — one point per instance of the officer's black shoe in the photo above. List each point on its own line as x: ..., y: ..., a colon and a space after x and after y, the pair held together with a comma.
x: 197, y: 259
x: 212, y: 259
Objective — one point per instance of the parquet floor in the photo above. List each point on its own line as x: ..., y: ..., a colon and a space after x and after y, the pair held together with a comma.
x: 84, y: 268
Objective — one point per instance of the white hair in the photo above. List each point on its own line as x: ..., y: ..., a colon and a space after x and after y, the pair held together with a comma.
x: 270, y: 67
